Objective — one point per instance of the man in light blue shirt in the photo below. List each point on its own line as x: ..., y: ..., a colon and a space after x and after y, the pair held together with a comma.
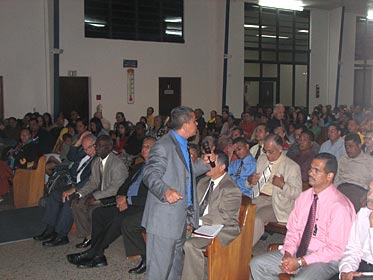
x: 244, y: 166
x: 335, y: 145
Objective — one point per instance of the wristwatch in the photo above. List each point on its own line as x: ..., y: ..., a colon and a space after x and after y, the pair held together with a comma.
x: 300, y: 264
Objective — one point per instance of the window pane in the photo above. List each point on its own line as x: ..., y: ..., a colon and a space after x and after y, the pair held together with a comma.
x: 286, y: 57
x: 286, y: 84
x: 269, y: 56
x: 300, y: 85
x: 270, y: 70
x: 252, y: 70
x: 251, y: 94
x: 251, y: 55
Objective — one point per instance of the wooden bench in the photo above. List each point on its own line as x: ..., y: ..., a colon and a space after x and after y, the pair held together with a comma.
x: 232, y: 261
x: 28, y: 185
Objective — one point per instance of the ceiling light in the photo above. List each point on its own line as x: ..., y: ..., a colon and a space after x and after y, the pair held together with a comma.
x: 370, y: 15
x: 253, y: 26
x: 173, y: 19
x: 272, y: 36
x: 283, y: 4
x: 303, y: 31
x: 97, y: 24
x: 174, y: 32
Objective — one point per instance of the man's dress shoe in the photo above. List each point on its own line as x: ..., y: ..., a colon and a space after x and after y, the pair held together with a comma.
x: 79, y: 257
x: 95, y: 262
x: 86, y: 242
x: 141, y: 268
x: 45, y: 235
x: 56, y: 241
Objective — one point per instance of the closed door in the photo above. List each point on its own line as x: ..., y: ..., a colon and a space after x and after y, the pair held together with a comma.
x: 169, y: 95
x: 74, y: 95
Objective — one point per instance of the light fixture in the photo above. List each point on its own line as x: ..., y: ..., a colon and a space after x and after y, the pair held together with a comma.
x: 173, y: 19
x: 370, y: 15
x: 283, y: 4
x: 253, y: 26
x: 97, y: 24
x: 272, y: 36
x: 303, y: 31
x: 174, y: 32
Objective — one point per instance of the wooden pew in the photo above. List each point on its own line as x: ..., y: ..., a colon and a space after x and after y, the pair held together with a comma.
x: 232, y: 261
x: 28, y: 185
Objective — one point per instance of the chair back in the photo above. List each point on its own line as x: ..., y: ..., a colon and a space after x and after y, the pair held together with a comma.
x: 356, y: 194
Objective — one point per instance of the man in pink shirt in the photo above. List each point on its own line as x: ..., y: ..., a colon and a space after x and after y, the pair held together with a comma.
x: 317, y: 230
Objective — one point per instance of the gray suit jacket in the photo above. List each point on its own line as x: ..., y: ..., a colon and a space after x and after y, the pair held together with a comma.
x: 224, y: 207
x: 115, y: 173
x: 166, y: 169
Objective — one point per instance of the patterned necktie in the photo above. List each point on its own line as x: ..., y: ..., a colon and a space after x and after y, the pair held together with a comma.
x: 238, y: 173
x: 262, y: 180
x: 205, y: 201
x: 307, y: 233
x: 258, y: 152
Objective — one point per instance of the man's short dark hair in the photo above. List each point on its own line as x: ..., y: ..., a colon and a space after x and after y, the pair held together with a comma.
x: 310, y: 134
x: 222, y: 158
x: 275, y: 138
x: 331, y: 164
x: 266, y: 128
x: 238, y: 128
x: 179, y: 116
x: 300, y: 126
x: 353, y: 137
x: 336, y: 125
x: 105, y: 139
x: 240, y: 140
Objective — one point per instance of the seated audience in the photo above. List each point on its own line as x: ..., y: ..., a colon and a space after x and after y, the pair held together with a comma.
x: 317, y: 230
x: 119, y: 116
x: 335, y: 144
x: 294, y: 148
x: 58, y: 215
x: 108, y: 223
x: 150, y: 117
x: 244, y: 166
x: 108, y: 174
x: 158, y: 129
x: 368, y: 143
x: 219, y: 203
x: 105, y: 123
x: 277, y: 118
x: 355, y: 167
x: 134, y: 142
x: 44, y: 141
x: 121, y: 137
x: 275, y: 185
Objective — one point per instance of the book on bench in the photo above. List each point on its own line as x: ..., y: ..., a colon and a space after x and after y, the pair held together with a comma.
x: 207, y: 231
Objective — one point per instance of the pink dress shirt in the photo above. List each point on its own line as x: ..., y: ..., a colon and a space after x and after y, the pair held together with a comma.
x: 334, y: 217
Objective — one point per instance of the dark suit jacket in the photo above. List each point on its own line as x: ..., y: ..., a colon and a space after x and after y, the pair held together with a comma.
x: 140, y: 199
x: 76, y: 154
x: 224, y: 207
x: 166, y: 169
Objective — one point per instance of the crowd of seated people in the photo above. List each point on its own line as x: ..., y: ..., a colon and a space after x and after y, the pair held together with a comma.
x: 270, y: 152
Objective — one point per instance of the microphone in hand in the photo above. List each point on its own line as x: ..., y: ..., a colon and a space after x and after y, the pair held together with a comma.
x: 206, y: 147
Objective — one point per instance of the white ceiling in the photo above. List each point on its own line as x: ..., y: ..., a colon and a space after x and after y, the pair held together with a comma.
x: 352, y: 6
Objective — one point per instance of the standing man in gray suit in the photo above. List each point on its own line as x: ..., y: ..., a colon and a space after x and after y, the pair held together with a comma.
x: 219, y: 203
x: 172, y: 203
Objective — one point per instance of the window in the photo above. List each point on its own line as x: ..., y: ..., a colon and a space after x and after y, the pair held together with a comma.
x: 277, y: 53
x: 141, y: 20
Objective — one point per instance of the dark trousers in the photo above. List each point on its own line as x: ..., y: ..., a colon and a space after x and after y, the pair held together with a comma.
x: 58, y: 214
x: 108, y: 224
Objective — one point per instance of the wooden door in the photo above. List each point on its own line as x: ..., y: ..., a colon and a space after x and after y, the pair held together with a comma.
x: 74, y: 95
x: 169, y: 95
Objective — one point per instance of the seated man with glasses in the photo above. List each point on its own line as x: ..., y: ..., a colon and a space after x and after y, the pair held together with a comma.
x: 358, y: 256
x: 275, y: 185
x: 58, y: 216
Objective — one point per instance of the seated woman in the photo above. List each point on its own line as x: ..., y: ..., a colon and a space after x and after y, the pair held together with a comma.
x: 96, y: 127
x: 24, y: 155
x: 122, y: 137
x: 159, y: 129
